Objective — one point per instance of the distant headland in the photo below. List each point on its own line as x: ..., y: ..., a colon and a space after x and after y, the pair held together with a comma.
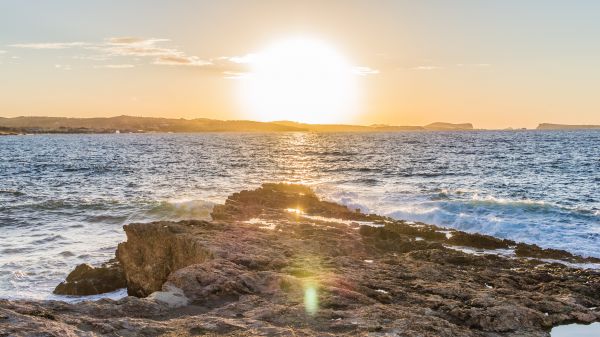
x: 133, y: 124
x: 550, y: 126
x: 127, y: 124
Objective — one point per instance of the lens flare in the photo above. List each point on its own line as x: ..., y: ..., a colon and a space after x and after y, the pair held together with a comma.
x: 311, y: 299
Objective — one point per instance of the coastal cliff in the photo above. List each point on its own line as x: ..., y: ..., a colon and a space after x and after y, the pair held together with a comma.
x: 278, y: 261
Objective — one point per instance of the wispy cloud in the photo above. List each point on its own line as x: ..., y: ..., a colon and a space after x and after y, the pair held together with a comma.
x: 427, y: 67
x: 128, y: 40
x: 181, y: 60
x: 2, y: 51
x: 63, y: 66
x: 125, y: 50
x: 50, y: 45
x: 151, y: 47
x: 124, y: 46
x: 244, y: 59
x: 135, y: 46
x: 115, y: 66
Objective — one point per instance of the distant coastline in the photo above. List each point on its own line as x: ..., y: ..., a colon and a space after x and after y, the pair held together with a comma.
x: 550, y: 126
x: 132, y: 124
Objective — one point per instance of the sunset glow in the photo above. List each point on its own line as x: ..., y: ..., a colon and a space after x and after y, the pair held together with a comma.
x: 405, y: 63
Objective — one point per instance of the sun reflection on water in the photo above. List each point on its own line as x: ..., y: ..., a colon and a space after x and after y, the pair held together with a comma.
x: 296, y: 211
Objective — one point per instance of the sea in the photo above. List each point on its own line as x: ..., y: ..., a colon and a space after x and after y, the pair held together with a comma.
x: 65, y: 198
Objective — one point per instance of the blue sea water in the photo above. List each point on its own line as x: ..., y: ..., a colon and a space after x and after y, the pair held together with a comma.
x: 65, y: 198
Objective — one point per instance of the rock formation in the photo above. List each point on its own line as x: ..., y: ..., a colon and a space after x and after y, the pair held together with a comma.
x: 277, y: 261
x: 88, y: 280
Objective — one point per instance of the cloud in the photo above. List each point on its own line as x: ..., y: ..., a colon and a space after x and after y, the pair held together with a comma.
x: 63, y: 66
x: 124, y: 46
x: 133, y: 46
x: 122, y: 51
x: 50, y: 45
x: 115, y: 46
x: 140, y: 47
x: 244, y: 59
x: 94, y: 57
x: 177, y: 60
x: 364, y: 71
x: 133, y: 40
x: 116, y: 66
x: 427, y: 67
x: 2, y: 51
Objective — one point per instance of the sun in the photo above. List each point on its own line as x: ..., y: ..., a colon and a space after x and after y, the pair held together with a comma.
x: 299, y: 79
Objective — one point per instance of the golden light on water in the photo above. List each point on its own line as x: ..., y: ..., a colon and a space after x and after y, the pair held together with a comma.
x: 296, y: 211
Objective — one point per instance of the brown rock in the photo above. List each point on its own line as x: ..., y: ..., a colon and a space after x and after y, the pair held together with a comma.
x: 88, y: 280
x: 151, y: 253
x: 478, y: 241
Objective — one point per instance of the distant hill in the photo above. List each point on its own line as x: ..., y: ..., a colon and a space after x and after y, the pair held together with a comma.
x: 549, y: 126
x: 151, y: 124
x: 136, y: 124
x: 438, y: 126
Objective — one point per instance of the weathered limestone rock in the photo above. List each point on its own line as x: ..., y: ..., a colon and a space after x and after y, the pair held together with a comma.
x: 151, y: 253
x: 88, y: 280
x: 251, y: 204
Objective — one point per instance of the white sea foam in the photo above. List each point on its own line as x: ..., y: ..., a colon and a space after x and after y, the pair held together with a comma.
x: 526, y: 220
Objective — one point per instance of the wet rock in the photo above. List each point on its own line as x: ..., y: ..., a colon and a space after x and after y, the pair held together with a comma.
x: 478, y: 241
x: 389, y: 238
x: 526, y: 250
x: 251, y: 204
x: 88, y: 280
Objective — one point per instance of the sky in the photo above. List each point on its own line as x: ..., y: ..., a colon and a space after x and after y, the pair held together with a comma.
x: 495, y: 64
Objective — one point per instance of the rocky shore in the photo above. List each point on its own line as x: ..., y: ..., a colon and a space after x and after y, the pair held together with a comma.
x: 278, y: 261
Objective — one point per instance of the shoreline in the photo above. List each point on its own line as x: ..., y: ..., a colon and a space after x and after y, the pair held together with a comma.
x: 126, y: 132
x: 253, y: 265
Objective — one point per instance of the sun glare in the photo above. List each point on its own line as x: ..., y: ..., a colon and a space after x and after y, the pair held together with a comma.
x: 300, y: 79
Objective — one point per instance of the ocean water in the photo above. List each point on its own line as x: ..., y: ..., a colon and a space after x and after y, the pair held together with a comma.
x: 65, y: 198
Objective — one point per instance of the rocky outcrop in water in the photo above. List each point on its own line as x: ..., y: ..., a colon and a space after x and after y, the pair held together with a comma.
x: 89, y: 280
x: 277, y: 261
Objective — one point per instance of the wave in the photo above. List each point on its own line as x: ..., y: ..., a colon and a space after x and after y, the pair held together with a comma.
x: 12, y: 192
x: 526, y: 220
x: 181, y: 209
